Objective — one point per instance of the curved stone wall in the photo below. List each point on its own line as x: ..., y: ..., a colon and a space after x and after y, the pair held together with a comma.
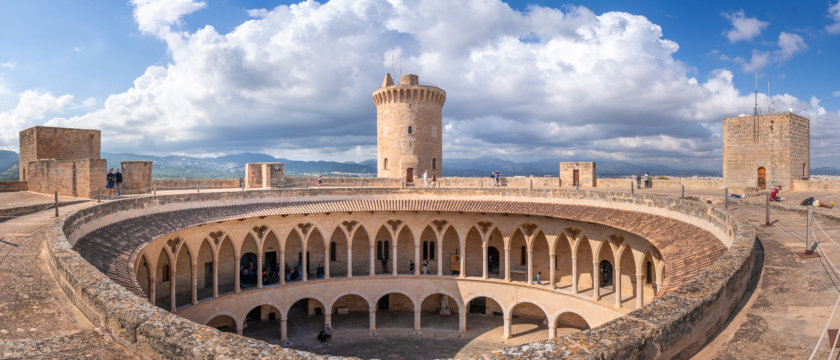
x: 676, y: 323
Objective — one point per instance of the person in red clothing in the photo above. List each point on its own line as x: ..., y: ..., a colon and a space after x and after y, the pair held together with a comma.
x: 774, y: 194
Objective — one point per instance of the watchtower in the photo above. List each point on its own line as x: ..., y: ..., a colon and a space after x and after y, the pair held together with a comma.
x: 409, y: 128
x: 762, y: 151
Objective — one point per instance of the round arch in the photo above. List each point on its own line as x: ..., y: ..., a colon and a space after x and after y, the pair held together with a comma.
x: 262, y: 322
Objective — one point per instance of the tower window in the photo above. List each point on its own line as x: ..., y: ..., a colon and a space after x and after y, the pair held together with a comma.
x: 434, y: 163
x: 385, y: 164
x: 332, y: 251
x: 434, y: 131
x: 409, y: 129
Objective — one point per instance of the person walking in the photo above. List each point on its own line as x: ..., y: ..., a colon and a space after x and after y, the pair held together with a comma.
x: 320, y: 179
x: 639, y: 180
x: 110, y: 183
x: 426, y: 178
x: 119, y: 180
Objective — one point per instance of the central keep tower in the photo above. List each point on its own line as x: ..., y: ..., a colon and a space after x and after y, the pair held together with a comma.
x: 408, y: 128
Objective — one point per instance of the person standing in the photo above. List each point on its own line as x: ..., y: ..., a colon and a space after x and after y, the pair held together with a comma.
x: 426, y: 178
x: 498, y: 178
x: 647, y: 179
x: 110, y: 183
x: 320, y: 179
x: 639, y: 180
x: 492, y: 179
x: 119, y: 179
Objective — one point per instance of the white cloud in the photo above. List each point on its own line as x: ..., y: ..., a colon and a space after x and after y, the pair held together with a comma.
x: 33, y: 108
x: 8, y: 65
x: 836, y: 93
x: 790, y: 44
x: 834, y: 15
x: 295, y: 81
x: 743, y: 28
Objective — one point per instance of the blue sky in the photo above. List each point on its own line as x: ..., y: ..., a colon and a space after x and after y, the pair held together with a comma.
x: 587, y: 80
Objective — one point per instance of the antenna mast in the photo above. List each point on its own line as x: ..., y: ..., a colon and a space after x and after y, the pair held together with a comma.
x: 755, y: 110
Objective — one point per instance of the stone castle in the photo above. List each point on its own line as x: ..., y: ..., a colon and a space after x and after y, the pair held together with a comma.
x: 409, y: 128
x: 764, y: 151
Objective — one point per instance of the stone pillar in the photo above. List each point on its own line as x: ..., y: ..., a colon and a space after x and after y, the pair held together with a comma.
x: 530, y: 266
x: 153, y: 286
x: 417, y: 319
x: 259, y: 268
x: 440, y: 256
x: 484, y: 260
x: 327, y: 261
x: 417, y: 260
x: 372, y: 262
x: 552, y: 273
x: 216, y: 277
x: 282, y: 265
x: 304, y: 262
x: 640, y: 291
x: 394, y: 259
x: 507, y: 264
x: 506, y: 334
x: 237, y: 274
x: 172, y: 274
x: 617, y: 287
x: 372, y: 319
x: 284, y: 333
x: 327, y: 319
x: 552, y: 330
x: 463, y: 263
x: 193, y: 283
x: 574, y: 276
x: 239, y: 328
x: 349, y: 260
x: 596, y: 287
x: 462, y: 320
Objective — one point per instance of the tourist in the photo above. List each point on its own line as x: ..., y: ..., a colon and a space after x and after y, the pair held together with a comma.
x: 647, y: 179
x: 320, y: 271
x: 774, y: 194
x: 823, y: 203
x: 639, y: 180
x: 425, y: 268
x: 119, y: 179
x: 538, y: 278
x: 110, y: 183
x: 426, y: 179
x: 288, y: 273
x: 244, y: 275
x: 329, y: 334
x: 320, y: 179
x: 498, y: 178
x: 384, y: 262
x: 738, y: 196
x: 492, y: 179
x: 434, y: 180
x: 410, y: 265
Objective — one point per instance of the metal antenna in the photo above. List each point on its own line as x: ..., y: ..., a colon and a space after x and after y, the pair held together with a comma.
x: 772, y: 101
x: 393, y: 68
x: 755, y: 109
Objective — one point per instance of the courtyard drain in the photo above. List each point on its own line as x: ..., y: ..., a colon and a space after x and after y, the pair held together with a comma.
x: 287, y: 343
x: 418, y: 333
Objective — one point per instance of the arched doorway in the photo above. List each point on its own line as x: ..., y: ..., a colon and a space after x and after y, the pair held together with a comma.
x: 183, y: 277
x: 569, y: 322
x: 204, y: 271
x: 762, y: 178
x: 350, y: 312
x: 606, y: 273
x: 271, y: 249
x: 394, y: 310
x: 223, y: 323
x: 485, y: 313
x: 305, y: 319
x: 262, y: 322
x: 493, y: 258
x: 527, y: 318
x: 439, y: 311
x: 248, y: 270
x: 226, y: 266
x: 361, y: 252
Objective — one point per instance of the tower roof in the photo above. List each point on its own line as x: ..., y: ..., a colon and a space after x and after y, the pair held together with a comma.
x: 388, y: 80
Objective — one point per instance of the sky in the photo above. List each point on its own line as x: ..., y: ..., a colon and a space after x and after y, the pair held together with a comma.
x: 645, y: 82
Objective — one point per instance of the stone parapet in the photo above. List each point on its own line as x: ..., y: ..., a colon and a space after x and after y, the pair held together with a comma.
x: 816, y: 185
x: 674, y: 325
x: 168, y: 184
x: 13, y: 186
x: 663, y: 183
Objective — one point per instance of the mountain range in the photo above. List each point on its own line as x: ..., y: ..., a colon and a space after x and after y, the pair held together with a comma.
x: 232, y: 166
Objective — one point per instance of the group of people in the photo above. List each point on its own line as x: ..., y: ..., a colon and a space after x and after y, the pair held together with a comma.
x: 774, y: 196
x: 639, y: 179
x: 495, y: 178
x: 113, y: 183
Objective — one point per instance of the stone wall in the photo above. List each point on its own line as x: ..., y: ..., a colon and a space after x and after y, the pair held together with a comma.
x: 41, y: 143
x: 13, y: 186
x: 264, y: 175
x: 586, y: 174
x: 137, y: 177
x: 663, y: 183
x: 169, y: 184
x: 675, y: 325
x: 777, y: 143
x: 409, y: 128
x: 816, y: 185
x: 81, y: 178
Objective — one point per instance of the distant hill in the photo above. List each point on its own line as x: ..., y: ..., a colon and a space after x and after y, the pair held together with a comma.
x: 9, y: 165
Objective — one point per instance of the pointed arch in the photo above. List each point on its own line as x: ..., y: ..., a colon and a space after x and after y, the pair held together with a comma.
x: 361, y: 249
x: 405, y: 251
x: 226, y: 266
x: 205, y: 261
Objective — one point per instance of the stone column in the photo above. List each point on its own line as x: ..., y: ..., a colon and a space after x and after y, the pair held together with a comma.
x: 484, y: 261
x: 417, y: 319
x: 640, y: 291
x: 506, y: 334
x: 349, y: 260
x: 417, y: 260
x: 462, y: 320
x: 304, y: 262
x: 617, y: 287
x: 463, y: 264
x: 327, y: 319
x: 394, y: 259
x: 239, y: 328
x: 237, y: 274
x: 153, y: 286
x: 284, y: 334
x: 327, y: 260
x: 552, y: 273
x: 596, y: 287
x: 574, y: 276
x: 216, y: 277
x: 530, y: 266
x: 372, y: 319
x: 372, y: 261
x: 440, y: 258
x: 194, y: 283
x: 507, y: 264
x: 259, y: 268
x: 282, y: 266
x: 172, y: 274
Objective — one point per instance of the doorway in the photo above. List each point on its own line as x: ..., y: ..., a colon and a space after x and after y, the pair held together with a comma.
x: 575, y: 177
x: 409, y: 175
x: 384, y: 303
x: 762, y: 178
x: 493, y: 260
x: 478, y: 305
x: 606, y: 273
x: 208, y: 274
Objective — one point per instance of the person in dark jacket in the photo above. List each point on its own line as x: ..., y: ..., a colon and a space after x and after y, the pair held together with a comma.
x: 119, y: 179
x: 110, y: 183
